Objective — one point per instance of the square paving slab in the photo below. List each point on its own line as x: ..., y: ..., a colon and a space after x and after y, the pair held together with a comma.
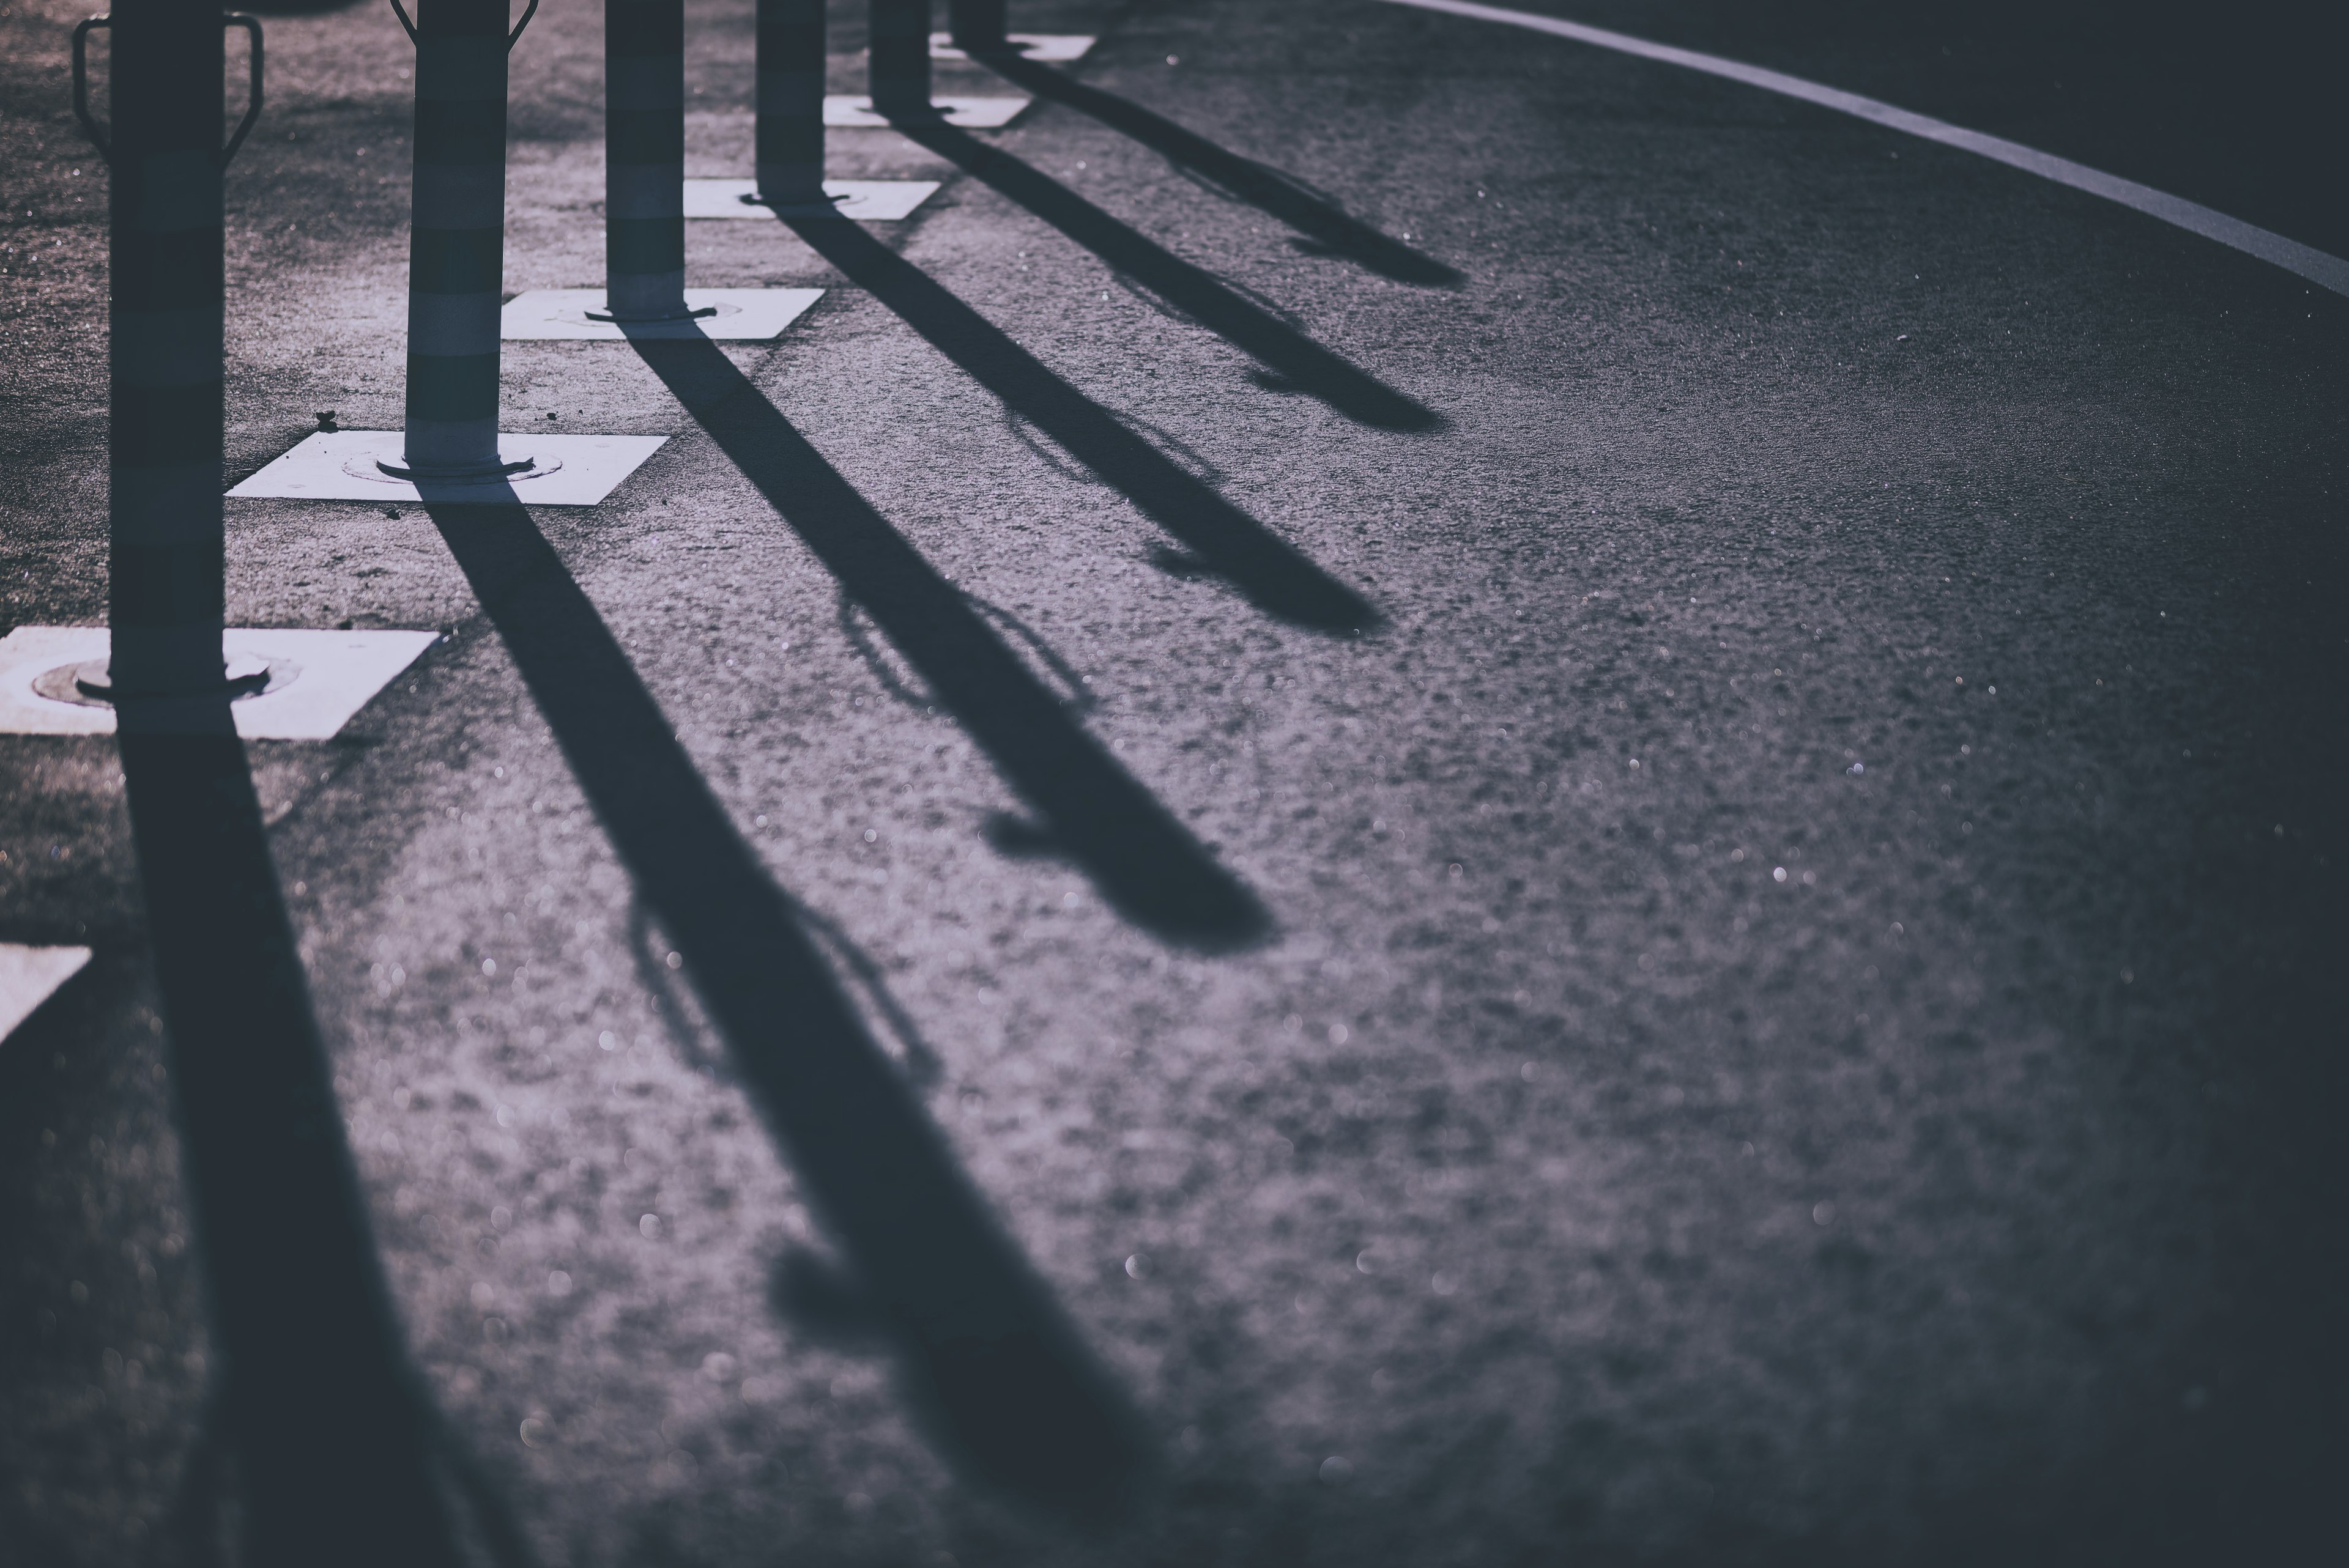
x: 340, y: 465
x: 745, y: 315
x: 317, y: 679
x: 30, y: 976
x: 873, y: 201
x: 1052, y: 48
x: 970, y: 113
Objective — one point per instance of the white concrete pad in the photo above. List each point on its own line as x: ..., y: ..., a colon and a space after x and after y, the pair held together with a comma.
x: 1054, y: 49
x: 742, y: 315
x: 970, y: 113
x: 317, y: 679
x: 872, y: 201
x: 30, y: 976
x: 339, y: 465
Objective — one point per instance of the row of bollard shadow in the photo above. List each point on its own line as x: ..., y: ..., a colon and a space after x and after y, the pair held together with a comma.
x: 457, y: 245
x: 335, y: 1450
x: 166, y: 521
x: 338, y: 1455
x: 457, y: 254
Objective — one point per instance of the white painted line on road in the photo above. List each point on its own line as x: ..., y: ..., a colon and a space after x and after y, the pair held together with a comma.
x: 1055, y: 48
x: 2317, y: 266
x: 339, y: 465
x: 327, y: 677
x: 970, y: 113
x: 867, y: 201
x: 744, y: 316
x: 30, y: 976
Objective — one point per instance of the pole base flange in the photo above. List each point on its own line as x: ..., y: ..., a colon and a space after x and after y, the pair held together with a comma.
x: 91, y: 681
x: 685, y: 314
x: 463, y: 474
x: 824, y: 206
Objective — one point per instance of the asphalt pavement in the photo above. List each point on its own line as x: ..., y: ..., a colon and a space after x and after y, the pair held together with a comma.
x: 1415, y: 796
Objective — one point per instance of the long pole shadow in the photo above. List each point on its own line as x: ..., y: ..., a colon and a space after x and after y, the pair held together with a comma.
x: 1144, y: 861
x: 1011, y: 1391
x: 1325, y: 225
x: 1288, y: 353
x: 1270, y: 572
x: 333, y: 1436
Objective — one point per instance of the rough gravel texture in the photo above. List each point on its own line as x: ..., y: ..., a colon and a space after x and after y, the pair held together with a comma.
x: 1605, y: 814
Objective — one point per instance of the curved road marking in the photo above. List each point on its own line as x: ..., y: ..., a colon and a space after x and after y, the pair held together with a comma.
x: 2317, y: 266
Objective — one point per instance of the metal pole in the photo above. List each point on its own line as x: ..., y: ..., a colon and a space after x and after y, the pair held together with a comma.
x: 789, y: 156
x: 165, y: 596
x: 644, y: 161
x: 312, y: 1348
x: 901, y: 58
x: 977, y: 26
x: 457, y: 242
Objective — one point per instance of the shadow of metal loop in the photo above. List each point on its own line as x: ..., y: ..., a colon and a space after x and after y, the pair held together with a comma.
x: 682, y: 1017
x: 1004, y: 1384
x: 1274, y: 343
x: 1316, y: 216
x: 923, y: 1067
x: 875, y: 655
x: 1145, y: 863
x: 1062, y: 675
x: 1272, y: 574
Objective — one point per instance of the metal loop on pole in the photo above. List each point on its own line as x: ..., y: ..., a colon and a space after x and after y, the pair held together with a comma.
x: 252, y: 25
x: 511, y: 39
x: 97, y: 139
x: 81, y: 87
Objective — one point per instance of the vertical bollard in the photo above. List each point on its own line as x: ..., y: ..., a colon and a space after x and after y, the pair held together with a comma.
x: 901, y: 58
x: 789, y: 156
x: 164, y: 598
x: 977, y: 26
x: 456, y: 263
x: 310, y: 1348
x: 644, y: 161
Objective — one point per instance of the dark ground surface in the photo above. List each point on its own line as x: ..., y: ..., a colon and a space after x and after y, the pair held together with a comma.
x: 1279, y: 693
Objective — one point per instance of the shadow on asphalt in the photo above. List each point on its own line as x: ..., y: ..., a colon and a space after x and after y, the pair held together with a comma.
x: 1145, y: 862
x: 328, y: 1438
x: 1010, y: 1392
x: 1273, y: 574
x: 1328, y: 229
x: 689, y: 1027
x: 1300, y: 363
